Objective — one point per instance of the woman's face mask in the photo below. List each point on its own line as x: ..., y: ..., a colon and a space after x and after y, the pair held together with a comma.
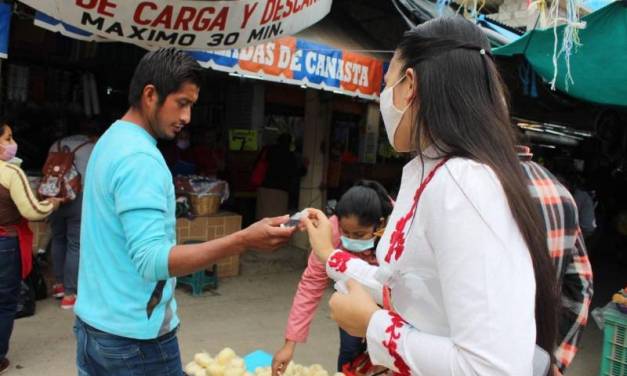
x: 8, y: 151
x: 8, y: 147
x: 391, y: 115
x: 397, y: 123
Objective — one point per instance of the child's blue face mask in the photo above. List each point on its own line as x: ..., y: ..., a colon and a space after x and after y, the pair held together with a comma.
x: 357, y: 245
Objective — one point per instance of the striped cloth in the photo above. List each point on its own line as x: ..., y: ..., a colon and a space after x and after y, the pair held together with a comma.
x: 568, y: 251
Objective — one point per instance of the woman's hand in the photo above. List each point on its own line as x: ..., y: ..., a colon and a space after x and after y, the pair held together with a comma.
x: 283, y: 357
x: 320, y: 233
x: 56, y: 202
x: 353, y: 311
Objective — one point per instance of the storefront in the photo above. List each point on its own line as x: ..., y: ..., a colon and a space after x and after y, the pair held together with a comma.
x: 324, y: 97
x: 51, y: 83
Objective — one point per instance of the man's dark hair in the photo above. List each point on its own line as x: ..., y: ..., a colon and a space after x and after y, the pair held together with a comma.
x: 167, y: 69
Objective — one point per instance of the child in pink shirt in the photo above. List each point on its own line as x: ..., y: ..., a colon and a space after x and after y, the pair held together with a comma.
x: 361, y: 214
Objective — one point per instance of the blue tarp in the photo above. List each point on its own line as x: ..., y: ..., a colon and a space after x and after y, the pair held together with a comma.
x: 5, y: 26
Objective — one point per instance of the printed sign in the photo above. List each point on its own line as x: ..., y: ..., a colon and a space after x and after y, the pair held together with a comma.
x: 242, y: 140
x: 301, y: 62
x: 193, y: 25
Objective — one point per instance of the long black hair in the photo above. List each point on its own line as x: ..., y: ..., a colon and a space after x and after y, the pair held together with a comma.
x: 368, y: 201
x: 462, y: 111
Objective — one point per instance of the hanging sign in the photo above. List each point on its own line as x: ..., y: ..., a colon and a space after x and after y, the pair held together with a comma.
x: 243, y: 139
x: 300, y: 62
x: 193, y: 25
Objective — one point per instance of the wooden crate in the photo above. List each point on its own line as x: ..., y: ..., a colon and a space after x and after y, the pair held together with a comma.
x: 209, y: 228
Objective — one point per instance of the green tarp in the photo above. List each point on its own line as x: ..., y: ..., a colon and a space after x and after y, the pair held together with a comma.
x: 598, y: 65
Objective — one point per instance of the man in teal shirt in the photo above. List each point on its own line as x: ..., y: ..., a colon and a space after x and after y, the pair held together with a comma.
x: 126, y: 312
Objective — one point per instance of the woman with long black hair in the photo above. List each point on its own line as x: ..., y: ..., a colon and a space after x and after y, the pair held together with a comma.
x: 465, y: 277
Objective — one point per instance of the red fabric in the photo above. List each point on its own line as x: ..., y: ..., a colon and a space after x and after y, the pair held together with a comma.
x: 397, y: 247
x: 387, y: 298
x: 392, y: 344
x: 360, y: 366
x: 339, y: 260
x: 260, y: 170
x: 397, y: 240
x: 25, y: 240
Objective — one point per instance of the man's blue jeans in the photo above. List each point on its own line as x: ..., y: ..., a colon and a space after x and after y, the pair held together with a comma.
x: 103, y: 354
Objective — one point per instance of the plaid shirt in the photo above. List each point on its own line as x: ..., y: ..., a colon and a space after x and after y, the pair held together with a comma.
x: 568, y: 251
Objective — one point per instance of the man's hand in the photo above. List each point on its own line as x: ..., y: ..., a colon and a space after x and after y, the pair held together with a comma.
x: 353, y: 311
x: 320, y: 233
x: 267, y: 234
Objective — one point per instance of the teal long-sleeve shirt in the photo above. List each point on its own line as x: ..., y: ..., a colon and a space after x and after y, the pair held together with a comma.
x: 128, y: 230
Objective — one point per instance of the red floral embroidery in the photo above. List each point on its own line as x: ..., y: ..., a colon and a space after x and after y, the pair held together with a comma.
x: 397, y: 240
x: 339, y: 260
x: 392, y: 346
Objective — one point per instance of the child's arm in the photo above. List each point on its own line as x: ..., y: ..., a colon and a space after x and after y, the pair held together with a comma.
x: 306, y: 300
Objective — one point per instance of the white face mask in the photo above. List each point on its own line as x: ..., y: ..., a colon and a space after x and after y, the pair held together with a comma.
x: 391, y: 115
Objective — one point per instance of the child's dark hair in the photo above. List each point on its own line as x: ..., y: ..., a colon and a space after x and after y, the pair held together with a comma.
x: 368, y: 201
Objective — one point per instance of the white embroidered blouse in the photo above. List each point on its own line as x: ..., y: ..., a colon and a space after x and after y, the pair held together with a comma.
x: 462, y: 288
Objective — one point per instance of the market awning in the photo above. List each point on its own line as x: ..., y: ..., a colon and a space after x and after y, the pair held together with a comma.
x: 50, y: 23
x: 598, y: 65
x: 294, y: 60
x: 300, y: 62
x: 191, y: 25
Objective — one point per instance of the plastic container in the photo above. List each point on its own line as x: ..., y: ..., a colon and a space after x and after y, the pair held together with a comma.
x: 614, y: 358
x: 257, y: 359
